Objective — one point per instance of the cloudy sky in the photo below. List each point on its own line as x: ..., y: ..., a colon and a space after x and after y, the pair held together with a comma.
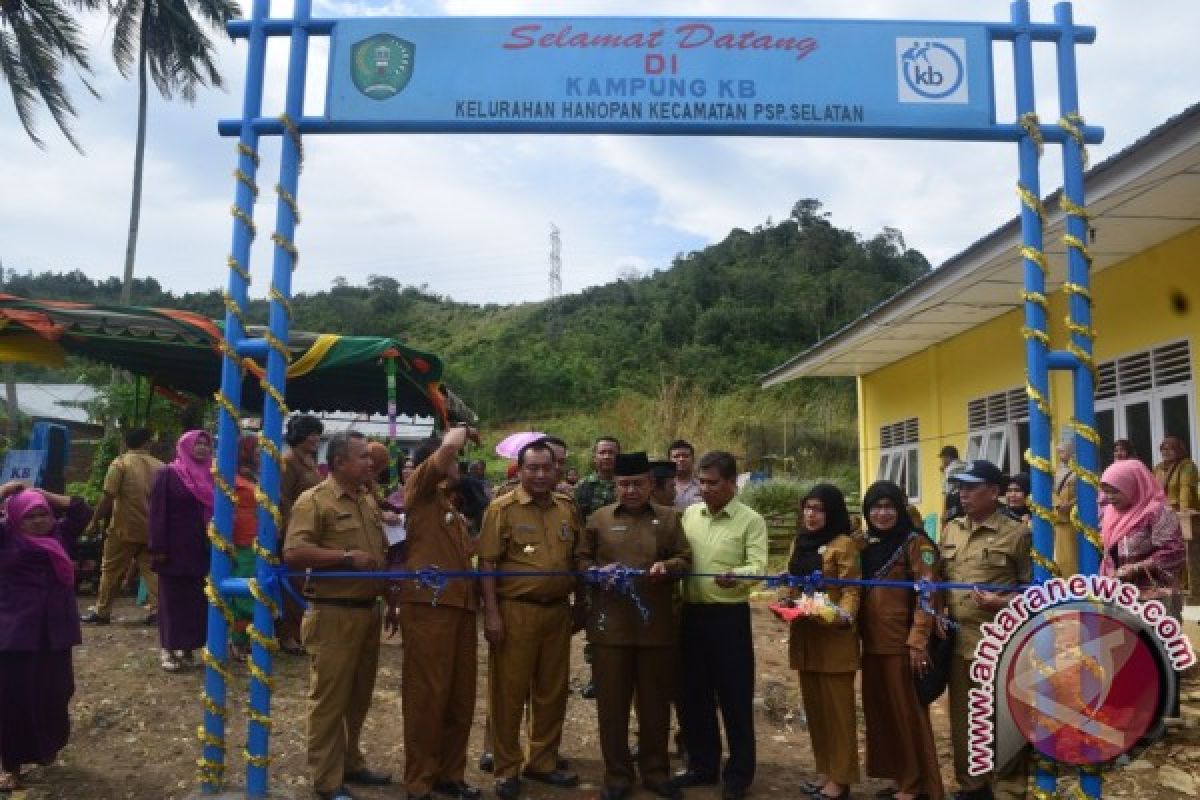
x: 469, y: 216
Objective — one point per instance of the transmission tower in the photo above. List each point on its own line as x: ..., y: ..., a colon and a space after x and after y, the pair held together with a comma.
x: 555, y: 263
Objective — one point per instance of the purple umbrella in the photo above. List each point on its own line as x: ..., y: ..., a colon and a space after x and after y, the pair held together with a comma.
x: 511, y: 445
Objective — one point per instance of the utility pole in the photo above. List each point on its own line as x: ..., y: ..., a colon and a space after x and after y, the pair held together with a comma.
x: 10, y: 389
x: 555, y: 282
x: 555, y: 263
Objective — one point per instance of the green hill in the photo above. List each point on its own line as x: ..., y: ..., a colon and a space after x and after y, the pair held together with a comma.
x: 673, y: 344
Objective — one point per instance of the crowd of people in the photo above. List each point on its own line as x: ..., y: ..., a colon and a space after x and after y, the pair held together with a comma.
x: 655, y: 560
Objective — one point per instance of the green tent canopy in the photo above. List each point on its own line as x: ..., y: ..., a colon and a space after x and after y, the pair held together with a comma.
x: 181, y: 351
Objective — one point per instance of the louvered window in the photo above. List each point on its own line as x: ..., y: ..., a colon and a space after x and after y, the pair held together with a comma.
x: 998, y: 429
x: 1144, y: 397
x: 900, y: 457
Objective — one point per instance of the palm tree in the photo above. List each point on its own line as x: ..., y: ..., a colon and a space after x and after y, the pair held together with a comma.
x: 167, y: 42
x: 37, y: 38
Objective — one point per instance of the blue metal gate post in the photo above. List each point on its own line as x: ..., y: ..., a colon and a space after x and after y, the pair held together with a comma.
x: 1079, y: 322
x: 212, y: 734
x: 287, y: 216
x: 1037, y: 383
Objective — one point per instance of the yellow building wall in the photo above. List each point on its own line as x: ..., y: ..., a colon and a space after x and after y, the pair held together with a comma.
x: 1134, y: 310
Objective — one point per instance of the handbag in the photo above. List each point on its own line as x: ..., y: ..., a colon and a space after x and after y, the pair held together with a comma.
x: 938, y: 651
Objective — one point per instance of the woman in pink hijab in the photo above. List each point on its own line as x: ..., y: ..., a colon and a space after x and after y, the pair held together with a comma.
x: 39, y: 624
x: 181, y: 505
x: 1143, y: 542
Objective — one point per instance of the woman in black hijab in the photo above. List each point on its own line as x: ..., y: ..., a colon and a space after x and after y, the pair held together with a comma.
x: 895, y: 632
x: 826, y: 654
x: 1016, y: 497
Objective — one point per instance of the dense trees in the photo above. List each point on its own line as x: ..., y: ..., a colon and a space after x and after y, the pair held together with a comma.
x: 717, y: 318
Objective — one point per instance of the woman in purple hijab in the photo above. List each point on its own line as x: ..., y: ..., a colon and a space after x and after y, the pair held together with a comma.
x: 181, y: 504
x: 39, y: 624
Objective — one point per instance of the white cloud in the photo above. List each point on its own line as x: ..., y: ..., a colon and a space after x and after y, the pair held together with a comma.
x: 469, y: 216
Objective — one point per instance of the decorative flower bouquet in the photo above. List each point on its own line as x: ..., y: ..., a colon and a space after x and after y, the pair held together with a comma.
x: 816, y: 606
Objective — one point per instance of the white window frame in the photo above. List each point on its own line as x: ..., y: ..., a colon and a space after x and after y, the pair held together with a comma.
x: 1154, y: 397
x: 901, y: 463
x: 999, y: 441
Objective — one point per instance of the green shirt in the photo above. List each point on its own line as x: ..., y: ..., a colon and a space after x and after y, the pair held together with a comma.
x: 732, y: 540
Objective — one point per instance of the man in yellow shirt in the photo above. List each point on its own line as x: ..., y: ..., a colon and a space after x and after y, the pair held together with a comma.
x: 728, y: 540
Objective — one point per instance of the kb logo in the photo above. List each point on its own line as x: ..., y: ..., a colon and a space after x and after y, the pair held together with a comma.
x: 931, y: 70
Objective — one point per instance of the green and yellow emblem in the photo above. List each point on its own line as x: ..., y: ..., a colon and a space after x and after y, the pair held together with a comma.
x: 382, y: 65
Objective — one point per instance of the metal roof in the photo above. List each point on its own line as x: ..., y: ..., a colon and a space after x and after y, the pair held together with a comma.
x: 55, y: 401
x: 1142, y: 196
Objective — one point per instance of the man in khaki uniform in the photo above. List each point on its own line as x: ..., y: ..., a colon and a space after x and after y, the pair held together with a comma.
x: 439, y: 667
x: 337, y: 526
x: 528, y: 620
x: 632, y: 655
x: 125, y: 507
x: 1066, y: 543
x: 983, y: 547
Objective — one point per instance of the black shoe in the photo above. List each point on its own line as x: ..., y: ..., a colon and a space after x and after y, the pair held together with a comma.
x: 340, y: 793
x: 665, y: 790
x: 508, y: 789
x: 560, y: 778
x: 614, y: 793
x: 92, y: 618
x: 366, y: 777
x: 984, y: 793
x: 689, y: 778
x: 487, y: 762
x: 459, y: 789
x: 588, y: 692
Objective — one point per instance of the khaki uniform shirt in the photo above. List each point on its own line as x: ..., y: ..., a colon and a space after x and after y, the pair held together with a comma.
x: 994, y: 552
x: 128, y: 482
x: 815, y: 646
x: 438, y: 536
x: 1179, y: 481
x: 889, y: 618
x: 614, y: 535
x: 522, y: 535
x: 298, y: 476
x: 1064, y: 495
x: 329, y: 516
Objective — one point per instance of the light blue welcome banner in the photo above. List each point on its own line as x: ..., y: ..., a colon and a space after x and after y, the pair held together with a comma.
x: 680, y: 75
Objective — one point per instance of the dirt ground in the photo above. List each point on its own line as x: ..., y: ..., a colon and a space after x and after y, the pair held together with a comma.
x: 134, y: 728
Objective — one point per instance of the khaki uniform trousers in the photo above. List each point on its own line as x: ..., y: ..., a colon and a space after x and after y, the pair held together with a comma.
x: 832, y: 723
x: 438, y: 693
x: 532, y: 663
x: 1013, y: 784
x: 621, y: 673
x: 343, y: 648
x: 1066, y: 549
x: 114, y: 566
